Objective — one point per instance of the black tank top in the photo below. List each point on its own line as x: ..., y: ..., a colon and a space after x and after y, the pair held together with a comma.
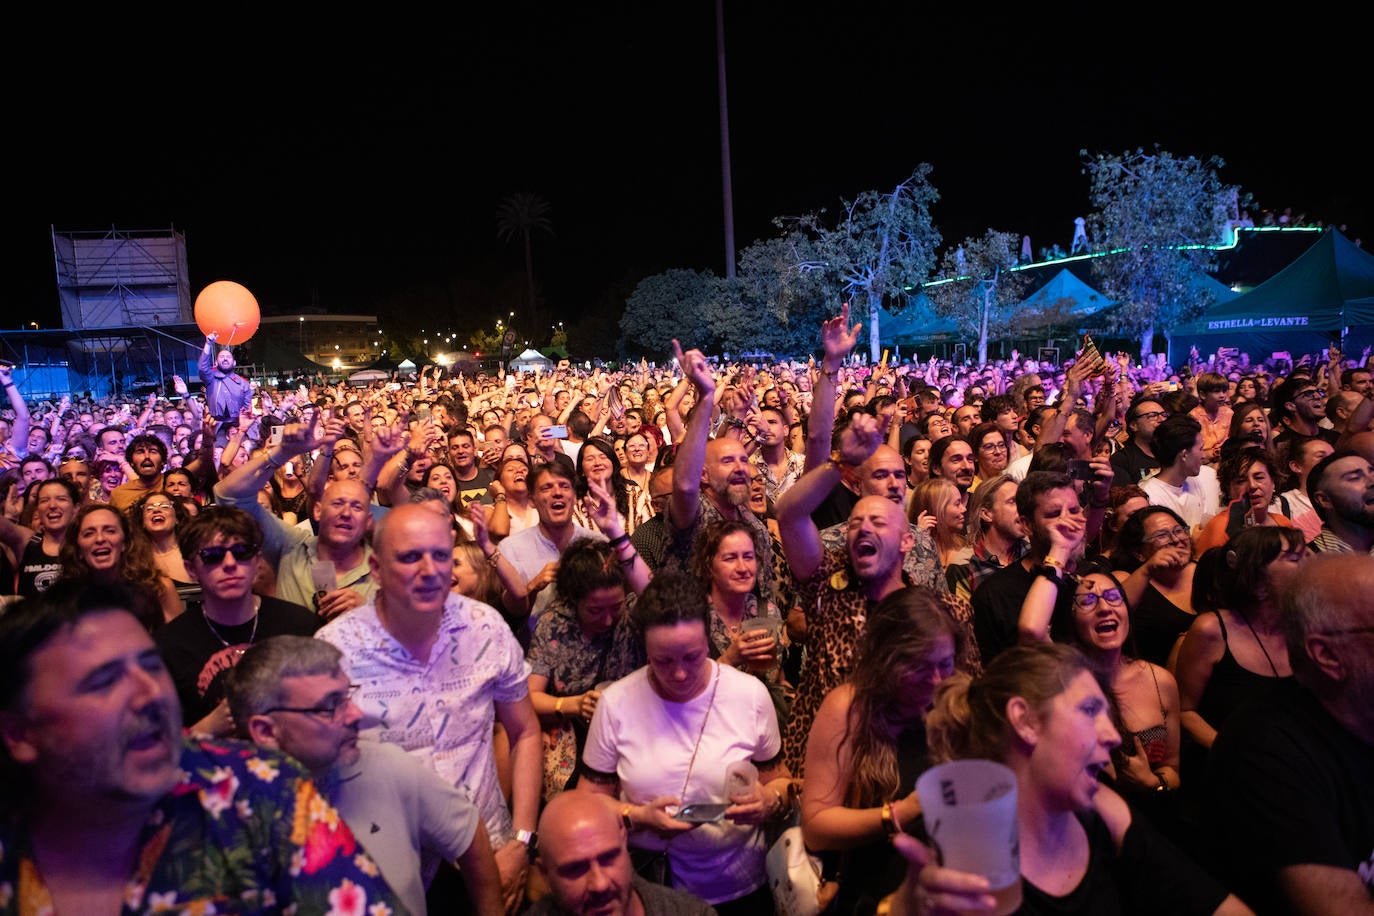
x: 37, y: 570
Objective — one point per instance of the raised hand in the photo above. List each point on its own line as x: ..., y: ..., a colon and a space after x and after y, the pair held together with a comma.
x: 838, y: 338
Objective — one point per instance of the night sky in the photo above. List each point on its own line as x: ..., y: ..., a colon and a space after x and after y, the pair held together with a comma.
x: 340, y: 165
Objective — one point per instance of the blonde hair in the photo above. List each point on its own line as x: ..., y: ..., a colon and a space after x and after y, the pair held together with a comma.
x: 936, y: 495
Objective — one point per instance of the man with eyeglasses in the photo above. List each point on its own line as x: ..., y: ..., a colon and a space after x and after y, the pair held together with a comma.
x: 1136, y: 458
x: 110, y: 809
x: 290, y: 694
x: 1291, y: 799
x: 1300, y: 406
x: 221, y: 549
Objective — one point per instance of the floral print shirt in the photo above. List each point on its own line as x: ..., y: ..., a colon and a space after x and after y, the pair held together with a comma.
x: 244, y: 831
x: 574, y: 662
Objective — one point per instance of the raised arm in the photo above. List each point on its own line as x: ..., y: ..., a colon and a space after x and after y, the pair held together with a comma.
x: 19, y: 430
x: 837, y: 339
x: 684, y: 503
x: 801, y: 539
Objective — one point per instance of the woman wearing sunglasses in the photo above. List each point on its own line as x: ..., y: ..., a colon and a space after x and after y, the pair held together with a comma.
x: 220, y: 547
x: 1145, y: 766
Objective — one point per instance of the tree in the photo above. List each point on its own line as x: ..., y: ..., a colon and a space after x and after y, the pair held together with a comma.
x: 981, y: 288
x: 883, y: 246
x: 784, y: 300
x: 522, y: 214
x: 669, y: 305
x: 1158, y: 213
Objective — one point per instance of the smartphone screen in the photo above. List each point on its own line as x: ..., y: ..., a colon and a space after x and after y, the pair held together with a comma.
x: 558, y: 432
x: 702, y: 814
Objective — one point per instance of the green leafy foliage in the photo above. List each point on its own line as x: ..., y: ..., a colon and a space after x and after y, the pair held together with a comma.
x: 979, y: 290
x: 1156, y: 212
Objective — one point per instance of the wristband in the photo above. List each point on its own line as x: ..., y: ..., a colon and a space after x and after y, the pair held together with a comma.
x: 558, y: 707
x: 890, y: 821
x: 494, y: 557
x: 628, y: 561
x: 618, y: 540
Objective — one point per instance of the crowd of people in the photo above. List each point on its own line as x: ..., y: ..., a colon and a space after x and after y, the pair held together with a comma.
x: 583, y: 641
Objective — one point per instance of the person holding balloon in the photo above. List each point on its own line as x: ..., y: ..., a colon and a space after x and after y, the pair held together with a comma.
x: 225, y: 308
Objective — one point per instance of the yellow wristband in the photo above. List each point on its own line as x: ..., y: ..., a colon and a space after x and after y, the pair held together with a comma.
x: 558, y: 707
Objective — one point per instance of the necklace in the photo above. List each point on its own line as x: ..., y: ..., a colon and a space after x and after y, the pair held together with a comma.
x: 257, y: 605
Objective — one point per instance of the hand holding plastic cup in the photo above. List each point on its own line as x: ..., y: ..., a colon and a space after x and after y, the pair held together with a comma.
x: 969, y: 807
x: 739, y: 780
x: 771, y: 628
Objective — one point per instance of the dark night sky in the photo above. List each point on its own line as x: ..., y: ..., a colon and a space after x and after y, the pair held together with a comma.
x: 340, y: 164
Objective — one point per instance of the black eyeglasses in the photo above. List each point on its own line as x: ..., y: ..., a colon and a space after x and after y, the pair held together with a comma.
x: 328, y: 708
x: 1173, y: 534
x: 213, y: 556
x: 1310, y: 393
x: 1152, y: 415
x: 1088, y: 600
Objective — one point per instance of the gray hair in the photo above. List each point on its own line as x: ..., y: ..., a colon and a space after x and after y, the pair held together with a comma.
x: 254, y: 685
x: 1329, y: 596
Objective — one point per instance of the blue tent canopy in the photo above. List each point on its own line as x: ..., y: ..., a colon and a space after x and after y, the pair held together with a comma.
x: 918, y: 323
x: 1065, y: 299
x: 1322, y: 294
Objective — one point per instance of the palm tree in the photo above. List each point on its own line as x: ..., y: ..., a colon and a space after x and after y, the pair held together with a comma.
x: 522, y: 214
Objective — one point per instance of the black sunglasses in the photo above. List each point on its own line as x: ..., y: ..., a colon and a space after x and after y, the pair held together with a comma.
x: 213, y: 556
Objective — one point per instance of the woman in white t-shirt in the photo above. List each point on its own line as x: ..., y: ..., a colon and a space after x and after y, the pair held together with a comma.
x: 667, y: 738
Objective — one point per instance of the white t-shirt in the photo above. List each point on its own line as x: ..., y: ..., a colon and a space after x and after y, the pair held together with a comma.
x: 1196, y: 501
x: 529, y: 551
x: 648, y: 742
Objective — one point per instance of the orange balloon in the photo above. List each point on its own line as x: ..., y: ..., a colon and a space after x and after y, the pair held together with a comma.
x: 228, y: 310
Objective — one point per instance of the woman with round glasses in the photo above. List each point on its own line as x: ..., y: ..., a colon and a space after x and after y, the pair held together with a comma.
x: 638, y: 453
x: 1146, y: 763
x: 1155, y: 551
x: 990, y: 451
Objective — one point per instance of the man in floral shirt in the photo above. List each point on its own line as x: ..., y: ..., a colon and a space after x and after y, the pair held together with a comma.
x: 108, y: 810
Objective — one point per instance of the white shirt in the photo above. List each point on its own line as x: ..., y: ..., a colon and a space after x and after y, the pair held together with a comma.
x: 1196, y: 501
x: 530, y: 550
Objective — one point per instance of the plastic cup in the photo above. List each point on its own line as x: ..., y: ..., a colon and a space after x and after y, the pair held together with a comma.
x: 969, y: 807
x: 772, y: 625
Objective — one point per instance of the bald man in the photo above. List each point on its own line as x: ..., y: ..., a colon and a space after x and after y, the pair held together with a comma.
x: 303, y: 560
x: 583, y: 854
x: 436, y: 671
x: 839, y: 586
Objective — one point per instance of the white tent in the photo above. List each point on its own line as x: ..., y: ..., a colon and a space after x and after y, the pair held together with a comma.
x: 530, y: 359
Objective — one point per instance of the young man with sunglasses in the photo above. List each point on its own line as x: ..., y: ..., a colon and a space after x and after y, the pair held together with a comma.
x: 222, y: 547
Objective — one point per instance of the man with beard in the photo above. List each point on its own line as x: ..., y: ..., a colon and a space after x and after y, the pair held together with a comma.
x: 1044, y: 500
x: 1341, y: 487
x: 780, y: 465
x: 328, y: 571
x: 710, y: 479
x: 951, y: 457
x: 291, y: 695
x: 585, y: 858
x: 1292, y: 777
x: 1299, y: 406
x: 108, y: 809
x: 227, y: 394
x: 1136, y: 458
x: 220, y: 547
x: 146, y: 455
x: 436, y: 671
x: 839, y: 586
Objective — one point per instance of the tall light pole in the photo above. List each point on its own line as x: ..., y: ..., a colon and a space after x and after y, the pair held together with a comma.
x: 727, y: 194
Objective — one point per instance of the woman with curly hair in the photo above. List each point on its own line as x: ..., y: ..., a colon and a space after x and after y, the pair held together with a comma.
x: 156, y: 518
x: 867, y: 745
x: 746, y: 630
x: 100, y: 548
x: 583, y: 640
